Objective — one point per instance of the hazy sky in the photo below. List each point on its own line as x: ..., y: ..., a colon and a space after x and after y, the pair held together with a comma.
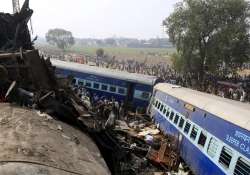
x: 99, y: 18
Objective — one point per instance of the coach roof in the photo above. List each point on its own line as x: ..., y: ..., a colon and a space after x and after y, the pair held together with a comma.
x: 122, y: 75
x: 233, y: 111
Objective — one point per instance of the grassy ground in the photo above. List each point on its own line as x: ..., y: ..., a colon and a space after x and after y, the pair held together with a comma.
x: 151, y: 55
x: 125, y: 51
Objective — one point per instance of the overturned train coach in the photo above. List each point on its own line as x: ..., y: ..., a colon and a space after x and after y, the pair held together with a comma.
x: 213, y: 132
x: 130, y: 88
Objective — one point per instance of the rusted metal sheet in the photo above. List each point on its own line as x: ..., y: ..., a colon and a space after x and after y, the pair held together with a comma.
x: 167, y: 155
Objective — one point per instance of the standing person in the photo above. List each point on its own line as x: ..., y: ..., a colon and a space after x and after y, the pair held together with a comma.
x: 116, y: 109
x: 235, y: 95
x: 121, y: 110
x: 243, y: 95
x: 230, y: 92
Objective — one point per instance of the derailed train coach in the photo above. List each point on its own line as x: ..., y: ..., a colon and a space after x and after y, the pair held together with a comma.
x: 129, y: 88
x: 213, y: 133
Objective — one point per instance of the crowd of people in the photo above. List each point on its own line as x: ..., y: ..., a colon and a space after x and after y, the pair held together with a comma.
x: 235, y: 87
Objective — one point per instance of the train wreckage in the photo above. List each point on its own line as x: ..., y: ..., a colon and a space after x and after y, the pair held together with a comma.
x: 35, y: 143
x: 47, y: 129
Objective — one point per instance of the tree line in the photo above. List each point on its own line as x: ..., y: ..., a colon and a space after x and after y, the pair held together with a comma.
x: 211, y: 36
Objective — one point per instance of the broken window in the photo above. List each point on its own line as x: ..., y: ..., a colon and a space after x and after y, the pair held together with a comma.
x: 212, y: 147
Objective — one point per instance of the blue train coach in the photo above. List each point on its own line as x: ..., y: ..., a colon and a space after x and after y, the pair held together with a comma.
x: 130, y: 88
x: 213, y: 132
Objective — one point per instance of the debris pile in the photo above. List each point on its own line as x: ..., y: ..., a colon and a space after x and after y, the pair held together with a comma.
x: 26, y: 78
x: 14, y: 32
x: 133, y: 145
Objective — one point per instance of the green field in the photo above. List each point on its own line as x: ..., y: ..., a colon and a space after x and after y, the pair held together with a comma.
x: 124, y: 51
x: 152, y: 55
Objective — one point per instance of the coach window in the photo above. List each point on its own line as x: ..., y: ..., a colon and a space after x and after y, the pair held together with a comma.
x: 164, y: 110
x: 176, y: 119
x: 159, y: 104
x: 80, y: 82
x: 242, y: 167
x: 194, y: 132
x: 212, y: 147
x: 181, y: 123
x: 121, y: 90
x: 202, y: 139
x: 104, y: 87
x: 156, y: 103
x: 171, y: 115
x: 226, y: 157
x: 112, y: 89
x: 88, y: 84
x: 96, y: 85
x: 187, y: 127
x: 168, y: 112
x: 161, y: 107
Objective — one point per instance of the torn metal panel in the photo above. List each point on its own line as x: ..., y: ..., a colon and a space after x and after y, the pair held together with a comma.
x: 167, y: 155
